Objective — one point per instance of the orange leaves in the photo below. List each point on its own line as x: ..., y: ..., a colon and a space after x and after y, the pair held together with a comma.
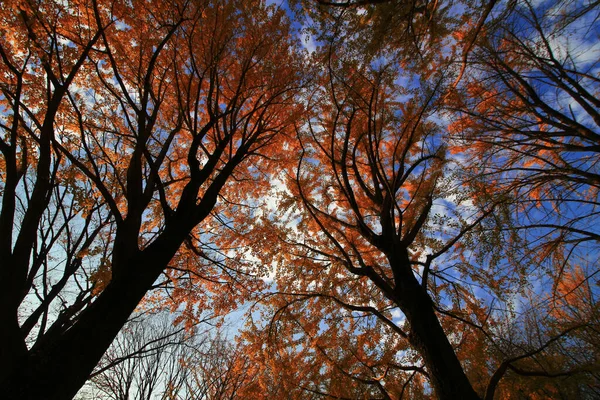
x: 101, y: 277
x: 458, y: 149
x: 185, y: 124
x: 573, y: 301
x: 486, y: 98
x: 460, y: 35
x: 572, y: 286
x: 461, y: 125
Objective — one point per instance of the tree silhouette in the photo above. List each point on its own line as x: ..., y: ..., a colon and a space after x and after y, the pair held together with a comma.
x: 411, y: 207
x: 124, y: 125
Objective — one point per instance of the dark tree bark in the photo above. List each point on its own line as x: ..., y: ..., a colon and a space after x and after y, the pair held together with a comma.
x: 428, y: 337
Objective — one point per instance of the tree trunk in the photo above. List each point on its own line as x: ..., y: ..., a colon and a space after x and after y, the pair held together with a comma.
x: 58, y: 367
x: 428, y: 338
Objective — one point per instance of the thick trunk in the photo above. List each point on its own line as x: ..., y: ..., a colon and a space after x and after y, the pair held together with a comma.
x: 59, y: 364
x: 57, y: 368
x: 429, y: 339
x: 13, y: 346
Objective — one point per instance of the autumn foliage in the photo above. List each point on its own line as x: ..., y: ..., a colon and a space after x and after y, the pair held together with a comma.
x: 399, y: 196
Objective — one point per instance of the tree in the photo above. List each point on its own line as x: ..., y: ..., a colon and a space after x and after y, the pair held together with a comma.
x: 371, y: 168
x: 530, y: 115
x: 125, y: 127
x: 526, y: 116
x: 151, y: 358
x: 435, y: 195
x: 341, y: 281
x: 147, y: 359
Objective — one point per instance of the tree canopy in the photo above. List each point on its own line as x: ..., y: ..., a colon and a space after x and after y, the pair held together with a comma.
x: 400, y: 197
